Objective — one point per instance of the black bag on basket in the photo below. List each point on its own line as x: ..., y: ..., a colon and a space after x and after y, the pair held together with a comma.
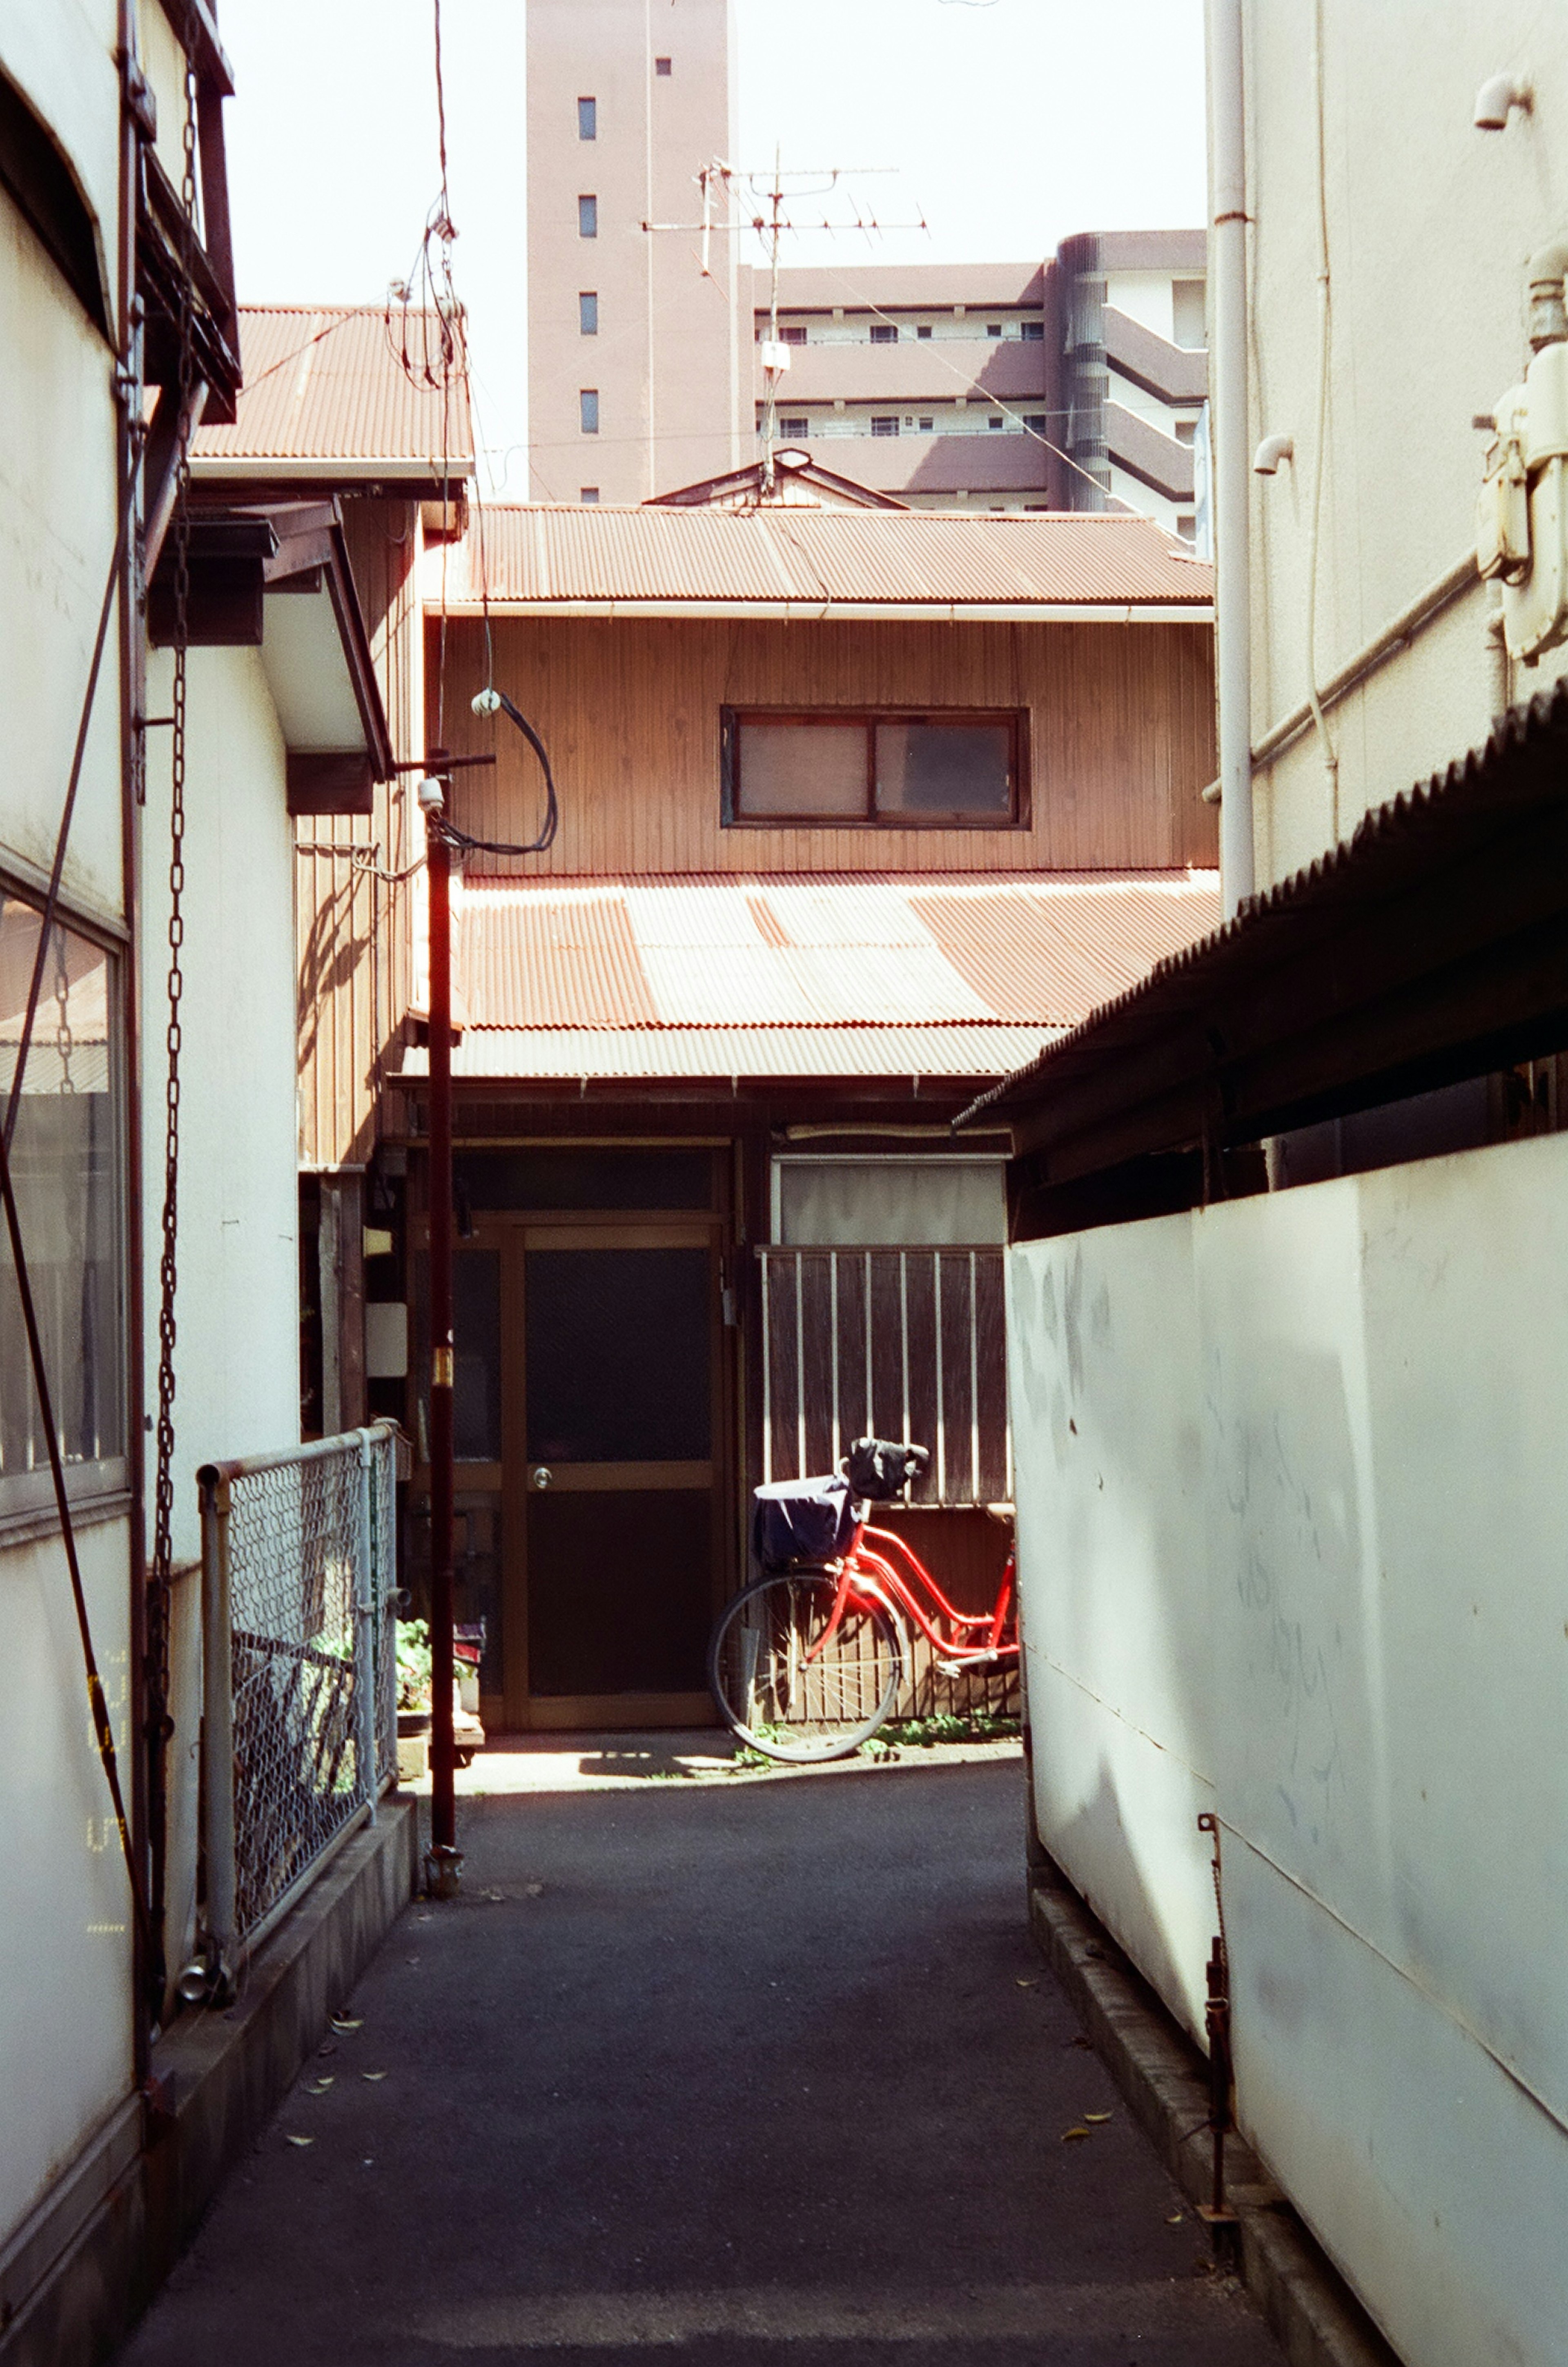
x: 880, y: 1469
x: 802, y: 1521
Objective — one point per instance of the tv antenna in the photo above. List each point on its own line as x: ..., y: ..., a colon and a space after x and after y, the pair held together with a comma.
x: 768, y: 204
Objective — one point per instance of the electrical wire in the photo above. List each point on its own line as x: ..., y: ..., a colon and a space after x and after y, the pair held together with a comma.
x: 489, y: 700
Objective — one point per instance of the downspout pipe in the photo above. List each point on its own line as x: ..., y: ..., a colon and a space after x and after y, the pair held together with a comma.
x: 1227, y: 396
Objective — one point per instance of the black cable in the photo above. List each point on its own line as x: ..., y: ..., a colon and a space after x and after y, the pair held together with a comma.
x: 455, y: 837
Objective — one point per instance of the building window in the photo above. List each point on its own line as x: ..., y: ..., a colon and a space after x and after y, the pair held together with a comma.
x: 884, y: 427
x: 993, y: 328
x: 588, y: 409
x: 927, y: 425
x: 799, y: 427
x: 884, y: 333
x: 995, y: 420
x: 588, y: 218
x: 791, y: 332
x: 1187, y: 527
x: 1035, y: 422
x: 588, y: 311
x: 1033, y: 332
x: 66, y: 1168
x: 924, y: 330
x: 587, y: 119
x: 1186, y: 430
x: 902, y: 770
x: 660, y: 65
x: 590, y: 495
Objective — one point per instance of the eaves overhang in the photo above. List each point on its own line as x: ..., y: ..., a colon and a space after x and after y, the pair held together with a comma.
x: 942, y: 612
x: 1431, y: 948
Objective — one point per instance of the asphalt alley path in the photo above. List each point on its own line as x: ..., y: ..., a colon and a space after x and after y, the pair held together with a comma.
x: 764, y: 2072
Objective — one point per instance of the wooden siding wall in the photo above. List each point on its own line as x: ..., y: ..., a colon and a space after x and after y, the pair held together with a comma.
x: 1122, y: 733
x: 351, y: 932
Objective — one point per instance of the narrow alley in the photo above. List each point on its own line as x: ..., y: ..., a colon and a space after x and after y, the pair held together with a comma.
x: 711, y: 2067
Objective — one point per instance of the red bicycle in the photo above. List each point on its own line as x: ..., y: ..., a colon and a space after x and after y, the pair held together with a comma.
x: 806, y: 1663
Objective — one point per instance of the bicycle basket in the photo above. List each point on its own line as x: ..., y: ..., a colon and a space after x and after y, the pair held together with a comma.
x: 802, y: 1521
x: 879, y: 1468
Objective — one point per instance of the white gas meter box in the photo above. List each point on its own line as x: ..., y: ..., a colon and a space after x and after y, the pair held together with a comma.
x: 774, y: 357
x: 1521, y: 519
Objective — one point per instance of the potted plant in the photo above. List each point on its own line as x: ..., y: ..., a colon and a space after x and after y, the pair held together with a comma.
x: 414, y: 1699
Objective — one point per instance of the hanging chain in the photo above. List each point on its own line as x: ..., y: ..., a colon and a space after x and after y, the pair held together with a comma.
x: 65, y: 1041
x: 160, y: 1574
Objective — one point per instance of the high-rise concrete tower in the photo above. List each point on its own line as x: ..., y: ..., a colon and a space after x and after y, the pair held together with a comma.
x: 633, y: 355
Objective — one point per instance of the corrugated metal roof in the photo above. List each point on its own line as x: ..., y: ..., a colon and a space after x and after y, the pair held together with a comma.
x: 528, y: 1053
x: 857, y: 958
x: 539, y: 556
x: 327, y: 383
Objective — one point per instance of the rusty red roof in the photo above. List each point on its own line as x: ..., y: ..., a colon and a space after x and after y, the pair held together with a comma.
x: 838, y: 974
x: 326, y: 390
x: 543, y: 559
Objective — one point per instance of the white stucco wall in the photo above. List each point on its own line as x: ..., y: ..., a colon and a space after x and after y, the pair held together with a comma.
x: 57, y: 535
x: 65, y: 1937
x: 1429, y: 225
x: 237, y: 1310
x: 1301, y: 1559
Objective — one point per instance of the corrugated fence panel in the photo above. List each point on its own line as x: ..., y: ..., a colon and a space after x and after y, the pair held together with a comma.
x: 905, y: 1343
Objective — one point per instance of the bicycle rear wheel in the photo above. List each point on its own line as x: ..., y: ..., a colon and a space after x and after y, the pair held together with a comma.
x: 786, y: 1686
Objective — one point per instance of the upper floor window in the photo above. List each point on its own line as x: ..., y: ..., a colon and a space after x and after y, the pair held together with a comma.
x: 924, y: 330
x: 1033, y: 332
x: 798, y: 425
x: 589, y: 494
x: 588, y: 311
x: 66, y: 1168
x: 588, y: 218
x: 587, y: 119
x: 660, y: 65
x: 884, y: 333
x: 588, y: 409
x: 993, y: 328
x: 883, y: 426
x: 791, y: 332
x: 956, y: 769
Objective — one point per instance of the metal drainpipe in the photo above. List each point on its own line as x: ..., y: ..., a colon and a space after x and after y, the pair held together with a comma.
x: 1227, y: 394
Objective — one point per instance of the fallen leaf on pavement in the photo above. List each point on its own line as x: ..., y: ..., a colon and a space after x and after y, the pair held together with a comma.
x: 372, y: 2075
x: 301, y: 2141
x: 1174, y: 2218
x: 1028, y: 1984
x: 348, y: 2021
x: 1069, y: 2134
x: 535, y: 1889
x: 493, y: 1895
x: 319, y: 2087
x: 1095, y: 2118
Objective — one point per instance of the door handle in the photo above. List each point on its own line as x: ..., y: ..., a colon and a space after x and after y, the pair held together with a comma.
x: 541, y: 1475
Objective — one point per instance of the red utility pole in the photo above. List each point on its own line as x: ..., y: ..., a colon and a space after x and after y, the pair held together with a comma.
x: 445, y: 1860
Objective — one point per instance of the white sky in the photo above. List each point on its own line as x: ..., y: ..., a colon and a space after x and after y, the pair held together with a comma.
x: 1008, y: 125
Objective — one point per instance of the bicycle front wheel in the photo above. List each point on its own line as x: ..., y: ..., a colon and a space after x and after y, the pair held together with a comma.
x: 790, y: 1683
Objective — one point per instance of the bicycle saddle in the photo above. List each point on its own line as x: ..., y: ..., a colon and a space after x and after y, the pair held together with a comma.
x: 880, y: 1469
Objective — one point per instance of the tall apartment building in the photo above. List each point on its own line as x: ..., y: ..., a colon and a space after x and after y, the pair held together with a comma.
x: 1074, y: 384
x: 635, y: 379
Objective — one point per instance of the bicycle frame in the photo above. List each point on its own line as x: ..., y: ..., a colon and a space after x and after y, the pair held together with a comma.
x: 896, y: 1592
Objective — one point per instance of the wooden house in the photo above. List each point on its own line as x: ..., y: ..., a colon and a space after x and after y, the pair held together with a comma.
x: 858, y: 810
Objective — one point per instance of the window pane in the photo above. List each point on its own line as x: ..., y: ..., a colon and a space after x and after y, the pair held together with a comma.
x: 884, y: 333
x: 618, y: 1355
x: 588, y: 409
x: 587, y: 119
x: 802, y: 768
x: 945, y: 768
x: 897, y: 1203
x: 588, y: 217
x: 587, y: 313
x: 476, y: 1363
x: 884, y: 427
x: 64, y: 1168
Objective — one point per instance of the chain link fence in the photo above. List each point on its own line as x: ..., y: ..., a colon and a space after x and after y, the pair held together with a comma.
x: 300, y: 1609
